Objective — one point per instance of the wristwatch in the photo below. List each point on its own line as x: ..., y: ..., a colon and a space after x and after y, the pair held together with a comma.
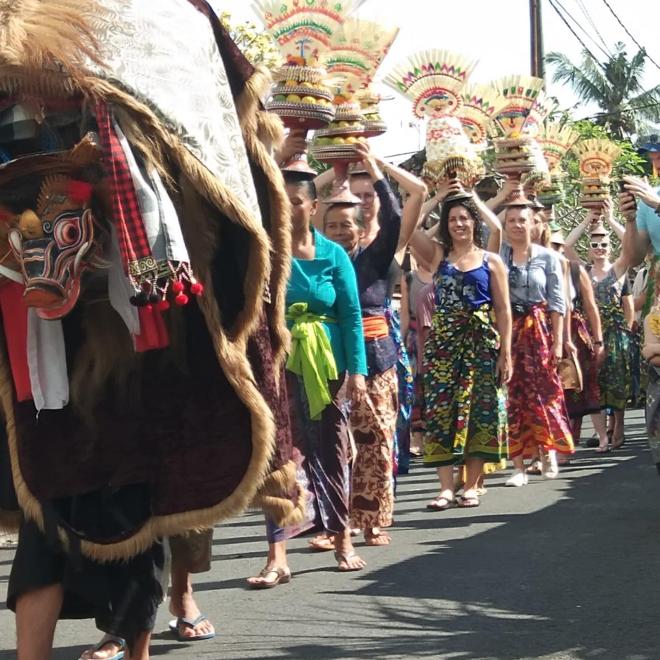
x: 598, y: 343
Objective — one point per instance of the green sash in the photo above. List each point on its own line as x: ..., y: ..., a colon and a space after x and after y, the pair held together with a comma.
x: 311, y: 356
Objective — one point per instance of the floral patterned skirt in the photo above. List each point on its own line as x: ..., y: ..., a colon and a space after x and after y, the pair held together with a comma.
x: 615, y: 375
x: 464, y: 406
x: 587, y: 401
x: 537, y: 408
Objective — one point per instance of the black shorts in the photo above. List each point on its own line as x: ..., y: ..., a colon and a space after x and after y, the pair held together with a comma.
x: 123, y: 597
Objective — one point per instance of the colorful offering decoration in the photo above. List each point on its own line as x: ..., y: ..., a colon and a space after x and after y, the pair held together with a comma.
x: 337, y: 142
x: 303, y: 31
x: 519, y: 120
x: 555, y: 141
x: 477, y: 112
x: 357, y: 50
x: 435, y: 81
x: 596, y: 163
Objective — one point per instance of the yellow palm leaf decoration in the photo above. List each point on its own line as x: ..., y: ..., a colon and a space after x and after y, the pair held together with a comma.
x: 357, y: 50
x: 596, y: 157
x: 521, y: 93
x: 479, y: 106
x: 433, y: 80
x: 556, y: 140
x: 303, y: 30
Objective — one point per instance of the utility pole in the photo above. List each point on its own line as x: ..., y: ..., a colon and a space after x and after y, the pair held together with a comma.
x: 536, y: 39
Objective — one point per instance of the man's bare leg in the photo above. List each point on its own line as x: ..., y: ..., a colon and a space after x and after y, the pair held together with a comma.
x: 182, y: 603
x: 37, y: 613
x: 140, y: 648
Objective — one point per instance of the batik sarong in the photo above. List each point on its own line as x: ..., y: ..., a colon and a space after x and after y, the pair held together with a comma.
x: 373, y: 421
x: 587, y: 401
x: 615, y: 375
x: 653, y: 413
x: 324, y: 445
x: 406, y: 394
x: 537, y: 408
x: 465, y: 408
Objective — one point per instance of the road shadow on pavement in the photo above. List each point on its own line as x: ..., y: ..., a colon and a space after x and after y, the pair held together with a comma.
x: 578, y: 579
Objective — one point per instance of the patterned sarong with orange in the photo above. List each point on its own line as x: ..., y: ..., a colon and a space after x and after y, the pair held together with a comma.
x: 537, y: 409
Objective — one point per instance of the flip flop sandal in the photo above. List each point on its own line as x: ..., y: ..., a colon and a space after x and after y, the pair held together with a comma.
x: 281, y: 577
x: 468, y: 502
x: 110, y: 639
x: 434, y: 505
x: 321, y: 544
x: 535, y: 468
x: 175, y: 624
x: 346, y: 557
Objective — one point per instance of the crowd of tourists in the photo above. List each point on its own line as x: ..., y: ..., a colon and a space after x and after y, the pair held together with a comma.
x: 498, y: 319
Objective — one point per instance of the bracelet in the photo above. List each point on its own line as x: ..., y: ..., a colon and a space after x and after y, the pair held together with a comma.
x: 598, y: 343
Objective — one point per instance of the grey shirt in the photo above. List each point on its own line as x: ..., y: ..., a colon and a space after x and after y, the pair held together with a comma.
x: 539, y: 279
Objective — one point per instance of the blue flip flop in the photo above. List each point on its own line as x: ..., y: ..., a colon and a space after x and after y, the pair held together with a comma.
x: 111, y: 639
x: 189, y: 623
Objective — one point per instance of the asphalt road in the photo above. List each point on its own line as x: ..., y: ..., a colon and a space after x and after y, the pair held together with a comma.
x: 559, y: 570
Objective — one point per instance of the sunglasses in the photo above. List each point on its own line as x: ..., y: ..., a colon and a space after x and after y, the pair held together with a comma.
x: 595, y: 245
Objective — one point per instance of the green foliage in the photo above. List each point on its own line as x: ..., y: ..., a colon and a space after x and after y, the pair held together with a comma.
x: 615, y: 85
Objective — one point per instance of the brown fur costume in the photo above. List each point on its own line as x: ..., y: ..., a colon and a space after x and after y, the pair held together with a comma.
x: 163, y: 442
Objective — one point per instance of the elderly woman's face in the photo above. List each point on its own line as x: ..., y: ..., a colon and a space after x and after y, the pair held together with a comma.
x: 341, y: 227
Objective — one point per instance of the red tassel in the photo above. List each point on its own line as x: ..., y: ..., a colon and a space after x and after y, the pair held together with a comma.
x: 177, y: 286
x: 79, y: 191
x: 163, y: 305
x: 197, y: 288
x: 181, y: 299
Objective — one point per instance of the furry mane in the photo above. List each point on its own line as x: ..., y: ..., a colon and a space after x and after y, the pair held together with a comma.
x: 55, y: 35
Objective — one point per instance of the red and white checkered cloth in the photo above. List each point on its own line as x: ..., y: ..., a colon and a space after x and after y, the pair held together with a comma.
x: 126, y: 216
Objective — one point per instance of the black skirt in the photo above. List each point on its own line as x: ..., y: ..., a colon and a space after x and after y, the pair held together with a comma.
x: 123, y: 597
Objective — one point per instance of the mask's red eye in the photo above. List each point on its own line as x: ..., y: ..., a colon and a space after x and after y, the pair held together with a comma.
x: 66, y: 233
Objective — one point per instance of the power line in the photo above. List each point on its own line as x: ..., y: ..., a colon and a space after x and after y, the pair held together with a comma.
x: 568, y: 25
x: 607, y: 4
x: 576, y: 22
x: 593, y: 24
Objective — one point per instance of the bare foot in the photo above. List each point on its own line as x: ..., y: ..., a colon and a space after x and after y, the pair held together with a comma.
x: 322, y: 543
x: 103, y: 650
x: 185, y: 607
x: 375, y: 536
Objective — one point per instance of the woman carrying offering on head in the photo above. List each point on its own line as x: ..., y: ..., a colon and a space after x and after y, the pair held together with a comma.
x: 610, y: 284
x: 372, y: 241
x: 467, y: 353
x: 327, y: 352
x: 586, y: 336
x: 537, y: 410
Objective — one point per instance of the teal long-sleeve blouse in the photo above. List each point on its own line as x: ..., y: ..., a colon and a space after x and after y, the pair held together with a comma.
x: 328, y: 285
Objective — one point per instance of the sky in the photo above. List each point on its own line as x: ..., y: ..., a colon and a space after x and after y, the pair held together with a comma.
x: 496, y: 33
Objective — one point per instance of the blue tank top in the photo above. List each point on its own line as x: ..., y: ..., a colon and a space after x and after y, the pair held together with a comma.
x: 456, y: 288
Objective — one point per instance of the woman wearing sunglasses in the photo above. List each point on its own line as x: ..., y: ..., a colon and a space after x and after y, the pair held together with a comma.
x: 538, y: 420
x: 467, y: 353
x: 617, y: 313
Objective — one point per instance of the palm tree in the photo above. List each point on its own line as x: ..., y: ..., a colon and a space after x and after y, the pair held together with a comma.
x: 614, y: 86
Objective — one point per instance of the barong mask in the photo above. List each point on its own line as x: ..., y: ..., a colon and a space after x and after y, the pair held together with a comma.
x: 55, y: 242
x: 54, y: 246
